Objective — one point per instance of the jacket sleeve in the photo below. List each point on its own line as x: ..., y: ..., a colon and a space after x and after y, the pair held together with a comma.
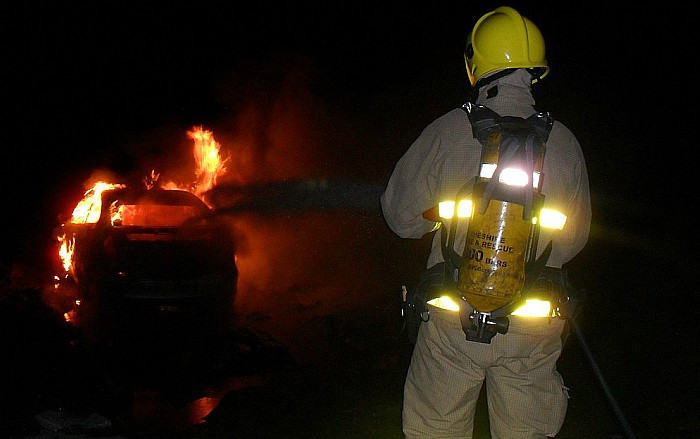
x: 575, y: 234
x: 412, y: 186
x: 576, y: 202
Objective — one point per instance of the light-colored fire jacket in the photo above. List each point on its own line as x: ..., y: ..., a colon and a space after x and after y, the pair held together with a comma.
x: 446, y: 155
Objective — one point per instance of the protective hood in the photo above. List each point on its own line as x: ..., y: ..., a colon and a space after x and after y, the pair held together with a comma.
x: 510, y: 95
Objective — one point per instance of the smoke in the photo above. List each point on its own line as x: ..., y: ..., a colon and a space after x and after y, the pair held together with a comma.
x: 282, y: 124
x: 304, y: 273
x: 307, y: 230
x: 309, y: 233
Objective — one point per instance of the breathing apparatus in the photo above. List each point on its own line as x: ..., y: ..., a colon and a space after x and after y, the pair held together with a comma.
x: 500, y: 272
x: 505, y: 207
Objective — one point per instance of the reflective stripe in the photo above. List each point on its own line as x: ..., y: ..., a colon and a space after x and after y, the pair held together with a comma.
x: 534, y: 308
x: 531, y: 308
x: 548, y: 218
x: 444, y: 302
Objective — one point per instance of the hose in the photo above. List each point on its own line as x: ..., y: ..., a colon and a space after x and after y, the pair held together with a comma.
x: 619, y: 415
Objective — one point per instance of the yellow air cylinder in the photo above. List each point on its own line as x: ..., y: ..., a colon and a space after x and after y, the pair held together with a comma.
x: 492, y: 271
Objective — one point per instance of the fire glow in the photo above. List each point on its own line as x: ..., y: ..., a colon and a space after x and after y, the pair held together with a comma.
x: 210, y: 166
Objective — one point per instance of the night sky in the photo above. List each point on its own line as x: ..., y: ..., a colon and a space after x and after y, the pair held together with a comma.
x: 297, y: 91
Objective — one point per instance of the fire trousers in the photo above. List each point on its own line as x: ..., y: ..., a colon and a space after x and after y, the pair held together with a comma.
x: 526, y: 395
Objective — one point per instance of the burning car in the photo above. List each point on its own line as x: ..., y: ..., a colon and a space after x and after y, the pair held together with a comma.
x: 130, y: 250
x: 158, y: 248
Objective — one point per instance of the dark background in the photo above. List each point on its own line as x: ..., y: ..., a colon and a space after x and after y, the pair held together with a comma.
x: 102, y: 85
x: 311, y: 91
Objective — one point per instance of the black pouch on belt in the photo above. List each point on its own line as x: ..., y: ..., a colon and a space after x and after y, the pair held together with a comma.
x: 415, y: 309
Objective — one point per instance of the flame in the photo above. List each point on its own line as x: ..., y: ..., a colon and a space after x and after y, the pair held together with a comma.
x: 116, y: 213
x: 88, y: 209
x: 65, y: 251
x: 210, y: 166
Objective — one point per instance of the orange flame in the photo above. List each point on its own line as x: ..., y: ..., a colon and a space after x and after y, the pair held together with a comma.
x: 88, y: 209
x: 66, y: 251
x: 210, y: 164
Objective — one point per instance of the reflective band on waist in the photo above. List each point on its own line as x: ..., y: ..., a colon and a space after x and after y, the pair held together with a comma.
x: 531, y: 308
x: 444, y: 302
x: 534, y: 308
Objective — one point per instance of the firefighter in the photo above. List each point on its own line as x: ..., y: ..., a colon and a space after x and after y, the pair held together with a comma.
x: 505, y: 56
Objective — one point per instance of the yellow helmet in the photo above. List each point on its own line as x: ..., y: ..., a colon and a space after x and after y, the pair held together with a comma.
x: 504, y: 39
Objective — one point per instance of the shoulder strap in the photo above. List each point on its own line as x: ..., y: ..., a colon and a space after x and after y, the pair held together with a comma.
x: 516, y: 135
x: 484, y: 119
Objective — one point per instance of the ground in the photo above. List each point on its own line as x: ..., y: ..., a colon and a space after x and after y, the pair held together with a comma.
x: 327, y: 361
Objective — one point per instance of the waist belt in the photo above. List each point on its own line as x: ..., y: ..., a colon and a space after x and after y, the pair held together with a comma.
x: 541, y: 300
